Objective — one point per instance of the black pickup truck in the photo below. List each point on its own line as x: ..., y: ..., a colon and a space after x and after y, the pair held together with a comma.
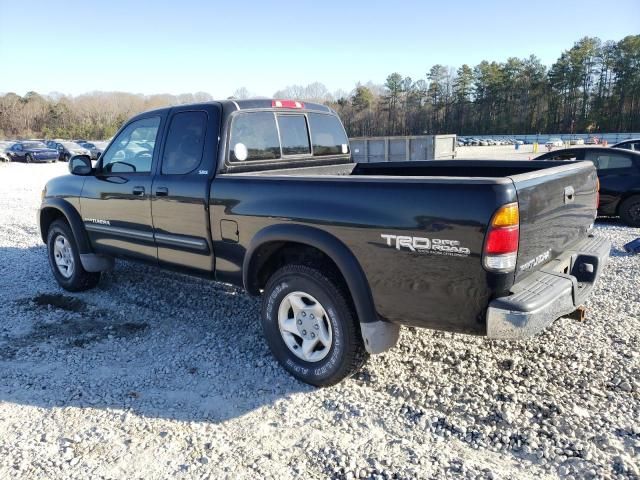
x: 264, y: 194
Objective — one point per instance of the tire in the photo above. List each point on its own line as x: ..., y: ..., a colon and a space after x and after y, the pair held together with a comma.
x: 630, y: 211
x: 66, y: 157
x: 339, y: 350
x: 28, y: 158
x: 73, y: 278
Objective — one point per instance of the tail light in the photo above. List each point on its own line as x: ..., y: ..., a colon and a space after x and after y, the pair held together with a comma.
x: 286, y: 104
x: 501, y: 242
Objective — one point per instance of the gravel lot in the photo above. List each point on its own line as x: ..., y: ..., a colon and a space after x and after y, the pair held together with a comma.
x: 156, y: 375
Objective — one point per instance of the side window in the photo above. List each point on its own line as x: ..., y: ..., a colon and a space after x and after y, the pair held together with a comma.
x: 185, y: 143
x: 132, y: 150
x: 610, y: 161
x: 636, y: 146
x: 254, y: 136
x: 294, y: 135
x: 327, y: 135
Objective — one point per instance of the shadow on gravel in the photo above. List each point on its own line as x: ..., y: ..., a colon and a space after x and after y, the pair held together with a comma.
x: 157, y: 343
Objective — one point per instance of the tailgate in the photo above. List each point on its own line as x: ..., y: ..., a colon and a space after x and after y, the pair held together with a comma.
x: 557, y: 207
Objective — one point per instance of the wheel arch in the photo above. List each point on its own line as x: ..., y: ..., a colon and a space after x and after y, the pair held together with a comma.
x: 266, y: 244
x: 57, y: 208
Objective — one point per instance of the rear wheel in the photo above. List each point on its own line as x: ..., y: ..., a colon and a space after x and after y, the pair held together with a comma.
x: 630, y: 211
x: 66, y: 157
x: 310, y: 326
x: 28, y: 158
x: 64, y: 259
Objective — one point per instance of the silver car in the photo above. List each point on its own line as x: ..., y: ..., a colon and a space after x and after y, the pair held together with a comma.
x: 94, y: 150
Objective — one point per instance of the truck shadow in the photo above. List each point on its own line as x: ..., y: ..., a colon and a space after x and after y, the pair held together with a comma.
x: 153, y: 342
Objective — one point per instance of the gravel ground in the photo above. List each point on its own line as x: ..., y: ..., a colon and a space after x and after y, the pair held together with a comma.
x: 156, y: 375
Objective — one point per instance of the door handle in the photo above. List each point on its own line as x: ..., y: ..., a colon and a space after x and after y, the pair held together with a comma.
x: 138, y: 191
x: 162, y: 192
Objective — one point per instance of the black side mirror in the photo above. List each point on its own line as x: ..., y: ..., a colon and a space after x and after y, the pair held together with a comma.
x: 80, y: 165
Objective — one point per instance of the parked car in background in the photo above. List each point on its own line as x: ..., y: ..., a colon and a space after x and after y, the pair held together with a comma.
x: 67, y: 149
x: 632, y: 144
x: 619, y: 175
x: 592, y: 141
x: 4, y: 146
x: 554, y: 142
x: 101, y: 146
x: 93, y: 149
x: 31, y: 151
x: 576, y: 141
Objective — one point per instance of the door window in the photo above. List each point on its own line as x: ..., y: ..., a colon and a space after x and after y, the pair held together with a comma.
x: 185, y: 143
x: 132, y: 150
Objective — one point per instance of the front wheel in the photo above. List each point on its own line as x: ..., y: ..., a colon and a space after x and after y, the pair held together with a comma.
x: 630, y: 211
x: 310, y: 326
x: 28, y: 158
x: 64, y: 259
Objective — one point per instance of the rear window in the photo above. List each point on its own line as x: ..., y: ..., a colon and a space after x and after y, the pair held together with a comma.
x: 294, y: 135
x: 327, y: 135
x: 254, y: 136
x: 269, y: 135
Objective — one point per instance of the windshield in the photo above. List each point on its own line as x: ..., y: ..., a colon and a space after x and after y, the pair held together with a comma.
x: 33, y: 145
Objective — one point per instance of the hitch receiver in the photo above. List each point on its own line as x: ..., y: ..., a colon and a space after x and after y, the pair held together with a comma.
x: 578, y: 314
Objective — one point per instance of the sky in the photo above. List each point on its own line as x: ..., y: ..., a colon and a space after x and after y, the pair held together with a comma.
x: 187, y: 46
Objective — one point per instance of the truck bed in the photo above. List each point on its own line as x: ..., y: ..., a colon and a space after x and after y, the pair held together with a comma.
x: 451, y: 200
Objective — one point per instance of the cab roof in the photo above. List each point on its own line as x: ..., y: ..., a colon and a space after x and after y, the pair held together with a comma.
x: 250, y: 104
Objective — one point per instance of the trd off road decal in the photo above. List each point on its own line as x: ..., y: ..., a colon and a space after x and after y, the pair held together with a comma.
x: 435, y: 246
x: 543, y: 257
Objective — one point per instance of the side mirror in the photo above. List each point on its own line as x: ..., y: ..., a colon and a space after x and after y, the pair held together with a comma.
x: 80, y: 165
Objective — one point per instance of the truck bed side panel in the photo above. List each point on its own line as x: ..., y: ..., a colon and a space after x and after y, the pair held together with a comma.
x: 433, y: 289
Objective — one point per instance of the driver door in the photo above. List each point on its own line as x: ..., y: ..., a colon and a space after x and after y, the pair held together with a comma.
x: 116, y: 201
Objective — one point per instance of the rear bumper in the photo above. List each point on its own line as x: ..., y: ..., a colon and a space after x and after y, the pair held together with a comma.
x: 557, y: 289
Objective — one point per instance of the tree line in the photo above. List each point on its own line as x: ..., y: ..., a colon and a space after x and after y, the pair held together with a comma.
x: 594, y: 86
